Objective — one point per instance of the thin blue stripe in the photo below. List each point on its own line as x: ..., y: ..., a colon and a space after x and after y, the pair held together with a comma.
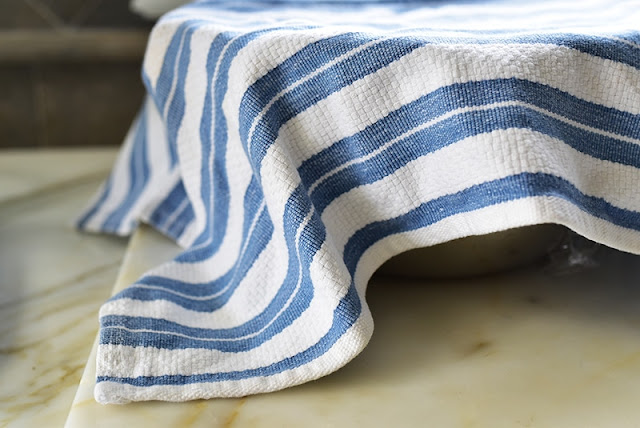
x: 215, y: 228
x: 166, y: 77
x: 430, y: 139
x: 97, y: 205
x: 175, y: 113
x: 476, y: 197
x: 168, y: 206
x: 320, y: 86
x: 178, y: 226
x: 464, y: 125
x: 300, y: 64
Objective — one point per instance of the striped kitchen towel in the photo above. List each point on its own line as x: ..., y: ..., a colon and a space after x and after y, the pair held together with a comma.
x: 291, y: 147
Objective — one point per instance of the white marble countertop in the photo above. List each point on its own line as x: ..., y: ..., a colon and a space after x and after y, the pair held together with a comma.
x: 52, y: 280
x: 525, y: 349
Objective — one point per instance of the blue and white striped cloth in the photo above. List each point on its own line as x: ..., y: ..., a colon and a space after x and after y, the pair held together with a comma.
x: 291, y: 147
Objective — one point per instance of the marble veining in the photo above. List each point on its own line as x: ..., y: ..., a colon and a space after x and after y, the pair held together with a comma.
x: 52, y: 280
x: 527, y: 349
x: 26, y: 173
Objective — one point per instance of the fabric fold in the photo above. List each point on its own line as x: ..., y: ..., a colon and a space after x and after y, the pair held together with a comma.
x: 291, y: 149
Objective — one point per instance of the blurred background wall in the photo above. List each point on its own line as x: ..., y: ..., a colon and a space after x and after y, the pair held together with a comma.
x: 69, y: 71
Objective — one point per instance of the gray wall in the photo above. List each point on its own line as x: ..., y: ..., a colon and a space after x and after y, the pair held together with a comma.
x: 69, y: 71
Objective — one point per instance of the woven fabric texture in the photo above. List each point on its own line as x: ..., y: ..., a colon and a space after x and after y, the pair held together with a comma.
x: 293, y: 147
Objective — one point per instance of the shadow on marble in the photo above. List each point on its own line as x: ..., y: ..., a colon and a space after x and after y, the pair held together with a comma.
x: 519, y: 304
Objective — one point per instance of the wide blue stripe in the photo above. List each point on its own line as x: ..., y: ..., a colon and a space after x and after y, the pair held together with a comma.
x: 312, y: 237
x: 479, y: 196
x: 461, y: 95
x: 464, y: 125
x: 81, y: 223
x: 252, y: 203
x: 223, y: 287
x: 216, y: 176
x: 473, y: 198
x: 139, y: 173
x: 419, y: 144
x: 165, y: 80
x: 320, y: 86
x: 291, y: 70
x: 168, y: 206
x: 184, y: 219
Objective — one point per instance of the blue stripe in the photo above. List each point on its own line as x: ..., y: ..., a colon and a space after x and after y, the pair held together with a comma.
x: 347, y: 312
x: 81, y: 223
x: 459, y: 127
x: 166, y: 77
x: 168, y: 206
x: 215, y: 229
x: 291, y: 70
x: 222, y: 288
x: 430, y: 139
x: 340, y: 75
x: 175, y: 113
x: 479, y: 196
x: 184, y: 219
x: 470, y: 94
